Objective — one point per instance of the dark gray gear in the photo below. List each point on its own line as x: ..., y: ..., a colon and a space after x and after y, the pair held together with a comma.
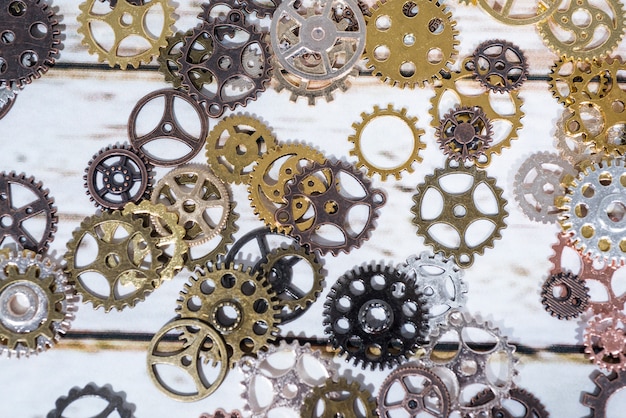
x: 572, y: 298
x: 532, y: 407
x: 606, y: 386
x: 117, y: 404
x: 500, y: 65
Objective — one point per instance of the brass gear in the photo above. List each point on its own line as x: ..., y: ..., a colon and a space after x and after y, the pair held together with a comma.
x: 131, y: 260
x: 339, y: 399
x: 213, y: 293
x: 403, y: 38
x: 508, y: 14
x: 571, y: 80
x: 413, y: 154
x: 235, y: 144
x: 125, y: 19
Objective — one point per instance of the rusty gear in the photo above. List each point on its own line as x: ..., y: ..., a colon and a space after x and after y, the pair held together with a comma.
x: 464, y: 134
x: 605, y: 341
x: 169, y: 56
x: 522, y: 402
x: 500, y: 66
x: 14, y: 225
x: 339, y: 398
x: 116, y: 404
x: 564, y: 295
x: 606, y: 386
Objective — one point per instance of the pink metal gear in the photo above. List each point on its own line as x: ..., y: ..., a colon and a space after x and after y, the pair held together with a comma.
x: 605, y: 341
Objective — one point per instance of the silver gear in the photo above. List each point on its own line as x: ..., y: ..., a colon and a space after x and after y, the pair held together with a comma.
x: 572, y: 148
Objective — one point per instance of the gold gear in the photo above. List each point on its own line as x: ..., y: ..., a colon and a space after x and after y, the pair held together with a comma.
x: 570, y: 79
x: 235, y: 144
x: 448, y: 86
x: 413, y: 156
x: 212, y: 294
x: 580, y: 42
x: 125, y: 19
x: 340, y: 399
x: 174, y: 235
x: 458, y: 211
x: 506, y: 13
x: 410, y: 42
x: 131, y: 260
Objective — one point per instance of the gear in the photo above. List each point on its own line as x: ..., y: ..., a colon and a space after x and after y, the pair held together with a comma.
x: 570, y: 79
x: 569, y: 37
x: 376, y: 316
x: 564, y: 295
x: 126, y: 20
x: 7, y: 94
x: 464, y: 134
x: 127, y: 258
x: 30, y: 41
x: 169, y: 56
x: 235, y: 144
x: 430, y: 396
x: 605, y: 341
x: 36, y: 303
x: 301, y: 369
x: 521, y: 401
x: 339, y: 399
x: 323, y: 189
x: 262, y: 8
x: 505, y: 11
x: 116, y: 175
x: 371, y: 167
x: 6, y: 107
x: 14, y: 221
x: 220, y: 413
x: 410, y: 44
x: 459, y: 210
x: 441, y: 282
x: 571, y: 148
x: 239, y: 305
x: 169, y: 127
x: 500, y: 66
x: 606, y: 386
x: 192, y: 346
x: 116, y: 403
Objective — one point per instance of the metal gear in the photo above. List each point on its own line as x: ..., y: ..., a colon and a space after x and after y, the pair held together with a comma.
x: 410, y: 43
x: 459, y: 210
x: 605, y: 341
x: 324, y: 189
x: 440, y: 281
x: 572, y: 148
x: 30, y: 41
x: 14, y: 220
x: 6, y: 107
x: 235, y: 144
x: 220, y: 413
x: 169, y: 56
x: 240, y: 305
x: 519, y: 402
x: 126, y: 257
x: 192, y: 346
x: 564, y: 295
x: 571, y: 80
x: 413, y: 154
x: 422, y: 392
x: 116, y: 402
x: 301, y: 369
x: 606, y: 386
x: 7, y: 95
x: 464, y: 134
x: 515, y: 12
x: 37, y: 304
x: 500, y: 65
x: 339, y: 398
x: 117, y: 175
x: 376, y: 316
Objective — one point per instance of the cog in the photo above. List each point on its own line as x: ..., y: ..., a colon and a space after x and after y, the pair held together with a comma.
x: 564, y: 295
x: 500, y: 66
x: 521, y: 400
x: 606, y: 386
x: 505, y: 11
x: 169, y: 56
x: 605, y: 341
x: 464, y: 134
x: 116, y: 402
x: 572, y: 148
x: 339, y: 398
x: 570, y: 79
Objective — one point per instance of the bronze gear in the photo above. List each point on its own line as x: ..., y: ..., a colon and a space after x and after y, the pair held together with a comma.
x: 339, y: 399
x: 464, y: 134
x: 169, y: 56
x: 564, y: 295
x: 126, y: 20
x: 266, y: 193
x: 571, y: 80
x: 14, y: 225
x: 581, y: 42
x: 30, y: 41
x: 500, y: 65
x: 605, y: 341
x: 413, y: 154
x: 117, y: 175
x: 606, y: 386
x: 572, y: 148
x: 192, y: 190
x: 191, y: 346
x: 46, y: 315
x: 217, y: 11
x: 410, y: 43
x: 116, y: 404
x: 213, y: 293
x: 132, y: 260
x: 169, y: 127
x: 508, y: 14
x: 322, y: 188
x: 235, y: 144
x: 459, y: 211
x: 521, y: 401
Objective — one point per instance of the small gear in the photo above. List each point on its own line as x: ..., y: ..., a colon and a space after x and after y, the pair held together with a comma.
x: 520, y: 402
x: 606, y: 386
x: 116, y: 402
x: 564, y: 295
x: 500, y: 65
x: 339, y: 398
x: 464, y: 134
x: 358, y: 137
x: 605, y: 341
x: 117, y: 175
x: 169, y: 56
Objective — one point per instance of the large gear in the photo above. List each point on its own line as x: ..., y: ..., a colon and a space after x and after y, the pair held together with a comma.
x: 115, y: 402
x: 339, y: 399
x: 564, y: 295
x: 126, y: 20
x: 500, y: 66
x: 605, y: 341
x: 37, y: 304
x: 606, y: 386
x: 459, y: 210
x: 410, y: 43
x: 515, y: 12
x: 376, y: 316
x: 30, y: 41
x: 412, y: 154
x: 464, y: 134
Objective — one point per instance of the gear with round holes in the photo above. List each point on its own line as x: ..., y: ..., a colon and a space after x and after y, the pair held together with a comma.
x: 522, y: 402
x: 500, y: 65
x: 376, y: 316
x: 564, y: 295
x: 605, y: 341
x: 324, y: 189
x: 15, y: 220
x: 115, y: 403
x: 459, y: 211
x: 606, y: 386
x: 571, y: 80
x: 238, y: 304
x: 413, y: 153
x: 339, y: 398
x: 169, y: 56
x: 464, y: 134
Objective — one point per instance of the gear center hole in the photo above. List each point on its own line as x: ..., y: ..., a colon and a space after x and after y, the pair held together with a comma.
x: 225, y: 63
x: 331, y: 207
x: 189, y: 206
x: 112, y: 260
x: 167, y: 127
x: 412, y: 404
x: 469, y: 367
x: 409, y: 39
x: 459, y: 211
x: 241, y: 149
x: 18, y: 304
x: 290, y: 391
x: 318, y: 33
x: 376, y: 317
x: 616, y: 211
x: 119, y: 178
x: 6, y: 221
x: 228, y: 316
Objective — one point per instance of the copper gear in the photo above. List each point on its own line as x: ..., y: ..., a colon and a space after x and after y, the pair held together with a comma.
x: 235, y: 144
x: 605, y: 341
x: 339, y: 398
x: 606, y: 386
x: 464, y: 134
x: 30, y: 41
x: 402, y: 38
x: 413, y: 152
x: 125, y: 20
x: 564, y: 295
x: 132, y: 260
x: 211, y: 293
x: 500, y: 65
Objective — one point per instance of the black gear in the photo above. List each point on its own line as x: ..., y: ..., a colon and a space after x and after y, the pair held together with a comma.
x: 376, y: 316
x: 500, y: 66
x: 464, y: 133
x: 606, y: 386
x: 116, y: 401
x: 572, y: 300
x: 533, y: 408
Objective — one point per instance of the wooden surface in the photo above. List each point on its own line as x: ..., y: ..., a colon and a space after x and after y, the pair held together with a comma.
x: 80, y: 106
